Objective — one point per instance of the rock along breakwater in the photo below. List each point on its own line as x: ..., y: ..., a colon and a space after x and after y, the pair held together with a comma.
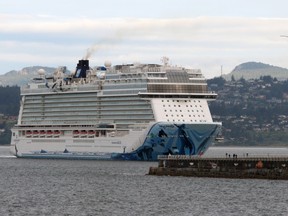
x: 245, y: 167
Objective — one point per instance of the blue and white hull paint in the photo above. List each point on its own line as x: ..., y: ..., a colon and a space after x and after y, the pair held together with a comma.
x: 161, y: 139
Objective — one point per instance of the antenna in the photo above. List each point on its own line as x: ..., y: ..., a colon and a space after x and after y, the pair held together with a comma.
x: 165, y: 60
x: 221, y: 70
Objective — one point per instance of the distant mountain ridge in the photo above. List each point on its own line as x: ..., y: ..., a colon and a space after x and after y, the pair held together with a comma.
x: 248, y: 70
x: 21, y: 77
x: 254, y: 70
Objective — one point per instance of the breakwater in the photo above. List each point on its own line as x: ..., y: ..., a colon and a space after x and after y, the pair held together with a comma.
x: 243, y: 167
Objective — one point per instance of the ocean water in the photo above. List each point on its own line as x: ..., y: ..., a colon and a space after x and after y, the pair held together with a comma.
x: 69, y: 187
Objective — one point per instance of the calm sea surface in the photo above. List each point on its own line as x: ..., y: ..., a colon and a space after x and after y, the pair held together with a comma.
x: 63, y: 187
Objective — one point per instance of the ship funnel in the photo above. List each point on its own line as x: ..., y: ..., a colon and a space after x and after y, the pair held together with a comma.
x: 82, y: 67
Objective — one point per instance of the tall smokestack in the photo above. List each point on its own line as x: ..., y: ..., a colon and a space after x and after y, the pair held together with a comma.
x: 82, y: 67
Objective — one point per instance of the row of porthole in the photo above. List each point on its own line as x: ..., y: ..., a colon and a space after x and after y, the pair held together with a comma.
x: 179, y: 120
x: 181, y: 110
x: 181, y: 101
x: 183, y: 116
x: 180, y: 105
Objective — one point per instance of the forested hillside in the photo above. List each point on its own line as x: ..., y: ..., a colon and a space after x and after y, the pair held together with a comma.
x: 253, y: 112
x: 9, y: 108
x: 9, y: 100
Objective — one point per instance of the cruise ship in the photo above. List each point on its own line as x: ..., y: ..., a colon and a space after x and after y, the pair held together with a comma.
x: 122, y: 112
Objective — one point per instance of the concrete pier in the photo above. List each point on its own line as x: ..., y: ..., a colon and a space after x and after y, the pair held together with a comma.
x: 246, y: 167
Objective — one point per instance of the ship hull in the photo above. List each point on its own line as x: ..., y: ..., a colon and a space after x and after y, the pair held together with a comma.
x: 158, y: 139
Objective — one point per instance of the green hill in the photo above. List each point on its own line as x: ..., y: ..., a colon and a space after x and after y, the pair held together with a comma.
x: 254, y: 70
x: 21, y: 77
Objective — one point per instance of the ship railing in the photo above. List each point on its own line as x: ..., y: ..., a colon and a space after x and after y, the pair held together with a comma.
x: 72, y: 88
x: 250, y: 156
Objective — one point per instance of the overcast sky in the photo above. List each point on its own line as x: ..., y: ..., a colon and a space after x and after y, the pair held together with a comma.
x: 204, y: 34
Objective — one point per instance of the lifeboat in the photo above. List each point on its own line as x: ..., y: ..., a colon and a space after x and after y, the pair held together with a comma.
x: 75, y: 133
x: 28, y: 133
x: 91, y: 133
x: 83, y: 133
x: 56, y: 133
x: 35, y: 133
x: 49, y: 133
x: 42, y: 133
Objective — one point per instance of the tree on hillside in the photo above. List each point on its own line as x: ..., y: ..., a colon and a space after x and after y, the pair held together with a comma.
x: 219, y: 81
x: 9, y: 100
